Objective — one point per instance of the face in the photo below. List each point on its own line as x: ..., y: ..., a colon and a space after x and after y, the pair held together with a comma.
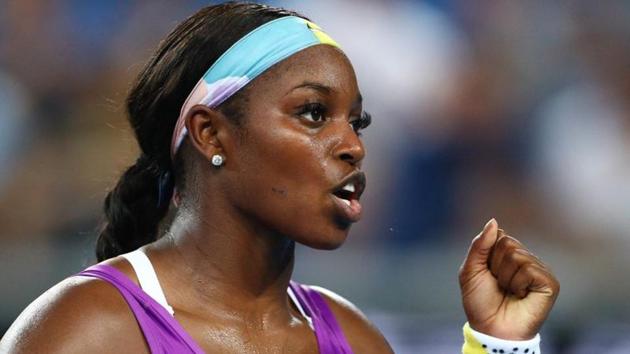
x: 297, y: 163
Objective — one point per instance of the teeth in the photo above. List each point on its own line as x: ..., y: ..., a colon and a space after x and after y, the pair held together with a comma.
x: 349, y: 187
x: 346, y: 201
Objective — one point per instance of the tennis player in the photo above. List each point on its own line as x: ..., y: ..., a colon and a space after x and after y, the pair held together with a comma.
x: 248, y: 119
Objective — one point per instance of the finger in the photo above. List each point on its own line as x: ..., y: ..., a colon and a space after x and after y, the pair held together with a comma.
x: 531, y: 277
x: 511, y: 262
x: 495, y: 254
x: 480, y: 248
x: 515, y: 244
x: 507, y: 256
x: 504, y: 244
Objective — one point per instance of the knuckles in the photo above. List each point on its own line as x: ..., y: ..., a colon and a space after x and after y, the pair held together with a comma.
x: 554, y: 285
x: 517, y: 255
x: 508, y: 242
x: 531, y: 269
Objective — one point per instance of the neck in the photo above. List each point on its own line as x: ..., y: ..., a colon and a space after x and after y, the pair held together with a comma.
x: 230, y: 265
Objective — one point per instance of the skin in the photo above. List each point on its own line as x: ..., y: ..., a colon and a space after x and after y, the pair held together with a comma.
x: 227, y: 259
x: 507, y: 291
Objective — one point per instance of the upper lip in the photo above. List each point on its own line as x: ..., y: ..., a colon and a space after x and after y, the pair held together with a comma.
x: 358, y: 179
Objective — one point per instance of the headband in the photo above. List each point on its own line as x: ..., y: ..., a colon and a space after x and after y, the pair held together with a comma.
x: 249, y: 57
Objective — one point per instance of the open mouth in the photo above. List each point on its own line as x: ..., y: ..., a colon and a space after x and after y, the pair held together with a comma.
x: 346, y: 196
x: 347, y: 193
x: 351, y: 188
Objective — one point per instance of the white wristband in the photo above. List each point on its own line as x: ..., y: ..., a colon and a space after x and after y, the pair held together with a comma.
x: 479, y: 343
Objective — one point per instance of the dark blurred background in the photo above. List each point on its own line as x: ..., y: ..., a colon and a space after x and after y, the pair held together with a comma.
x: 506, y: 109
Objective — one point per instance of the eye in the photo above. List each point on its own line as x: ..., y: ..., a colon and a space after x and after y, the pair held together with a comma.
x: 314, y: 112
x: 362, y: 122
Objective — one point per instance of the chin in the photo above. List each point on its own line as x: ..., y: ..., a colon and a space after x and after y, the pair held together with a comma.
x: 329, y: 241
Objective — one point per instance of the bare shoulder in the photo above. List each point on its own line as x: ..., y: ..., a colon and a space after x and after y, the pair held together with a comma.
x: 363, y: 336
x: 78, y: 315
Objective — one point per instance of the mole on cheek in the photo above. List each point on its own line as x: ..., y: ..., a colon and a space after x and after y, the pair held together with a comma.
x: 279, y: 191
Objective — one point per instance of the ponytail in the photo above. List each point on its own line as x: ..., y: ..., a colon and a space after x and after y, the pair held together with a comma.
x: 133, y: 210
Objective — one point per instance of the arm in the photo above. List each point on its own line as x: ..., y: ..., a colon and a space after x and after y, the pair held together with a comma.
x: 362, y: 335
x: 78, y: 315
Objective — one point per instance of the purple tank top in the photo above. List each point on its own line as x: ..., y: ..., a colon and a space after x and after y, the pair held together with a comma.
x: 165, y: 335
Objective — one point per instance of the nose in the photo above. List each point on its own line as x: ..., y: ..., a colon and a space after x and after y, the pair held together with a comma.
x: 350, y: 147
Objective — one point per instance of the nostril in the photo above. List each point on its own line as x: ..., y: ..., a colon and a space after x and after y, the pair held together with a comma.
x: 347, y: 157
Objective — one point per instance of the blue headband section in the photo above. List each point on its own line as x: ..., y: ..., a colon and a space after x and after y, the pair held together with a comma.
x: 246, y: 59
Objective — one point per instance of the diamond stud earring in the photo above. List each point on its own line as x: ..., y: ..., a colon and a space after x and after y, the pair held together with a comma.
x: 217, y: 160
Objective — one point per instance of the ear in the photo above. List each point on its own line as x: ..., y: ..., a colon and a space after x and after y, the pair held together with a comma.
x: 208, y: 131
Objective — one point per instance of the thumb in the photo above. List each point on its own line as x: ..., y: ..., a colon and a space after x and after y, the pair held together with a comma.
x: 481, y: 248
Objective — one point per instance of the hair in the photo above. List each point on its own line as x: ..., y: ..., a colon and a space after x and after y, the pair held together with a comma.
x: 137, y: 204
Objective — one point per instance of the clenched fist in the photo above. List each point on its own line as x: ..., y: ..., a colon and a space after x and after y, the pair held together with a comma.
x: 507, y: 292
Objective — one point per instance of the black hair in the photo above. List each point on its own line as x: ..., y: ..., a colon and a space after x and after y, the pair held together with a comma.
x: 135, y: 208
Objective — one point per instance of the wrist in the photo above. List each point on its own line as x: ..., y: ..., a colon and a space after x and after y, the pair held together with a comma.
x: 477, y: 342
x: 503, y: 332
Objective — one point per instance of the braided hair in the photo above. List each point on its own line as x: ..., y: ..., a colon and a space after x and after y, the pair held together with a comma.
x: 139, y: 202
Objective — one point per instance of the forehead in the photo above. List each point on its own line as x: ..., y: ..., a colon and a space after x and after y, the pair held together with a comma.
x: 322, y: 64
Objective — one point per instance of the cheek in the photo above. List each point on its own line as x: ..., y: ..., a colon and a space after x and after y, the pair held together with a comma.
x: 286, y: 160
x: 284, y: 183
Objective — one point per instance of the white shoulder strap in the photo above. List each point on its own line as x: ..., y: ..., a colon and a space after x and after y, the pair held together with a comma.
x: 147, y: 278
x: 299, y: 307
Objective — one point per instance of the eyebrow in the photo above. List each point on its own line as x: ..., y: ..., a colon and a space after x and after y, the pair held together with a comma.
x: 323, y: 89
x: 314, y: 86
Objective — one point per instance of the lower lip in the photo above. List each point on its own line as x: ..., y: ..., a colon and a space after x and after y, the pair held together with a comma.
x: 351, y: 212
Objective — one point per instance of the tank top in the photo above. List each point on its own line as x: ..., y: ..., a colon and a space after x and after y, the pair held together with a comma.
x: 164, y: 334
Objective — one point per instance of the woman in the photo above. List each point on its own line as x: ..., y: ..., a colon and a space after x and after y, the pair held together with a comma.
x: 236, y: 167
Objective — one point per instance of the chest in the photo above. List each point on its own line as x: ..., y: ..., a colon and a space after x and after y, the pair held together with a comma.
x: 227, y: 337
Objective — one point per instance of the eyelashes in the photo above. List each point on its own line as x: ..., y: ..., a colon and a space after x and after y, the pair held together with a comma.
x: 364, y: 120
x: 317, y: 113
